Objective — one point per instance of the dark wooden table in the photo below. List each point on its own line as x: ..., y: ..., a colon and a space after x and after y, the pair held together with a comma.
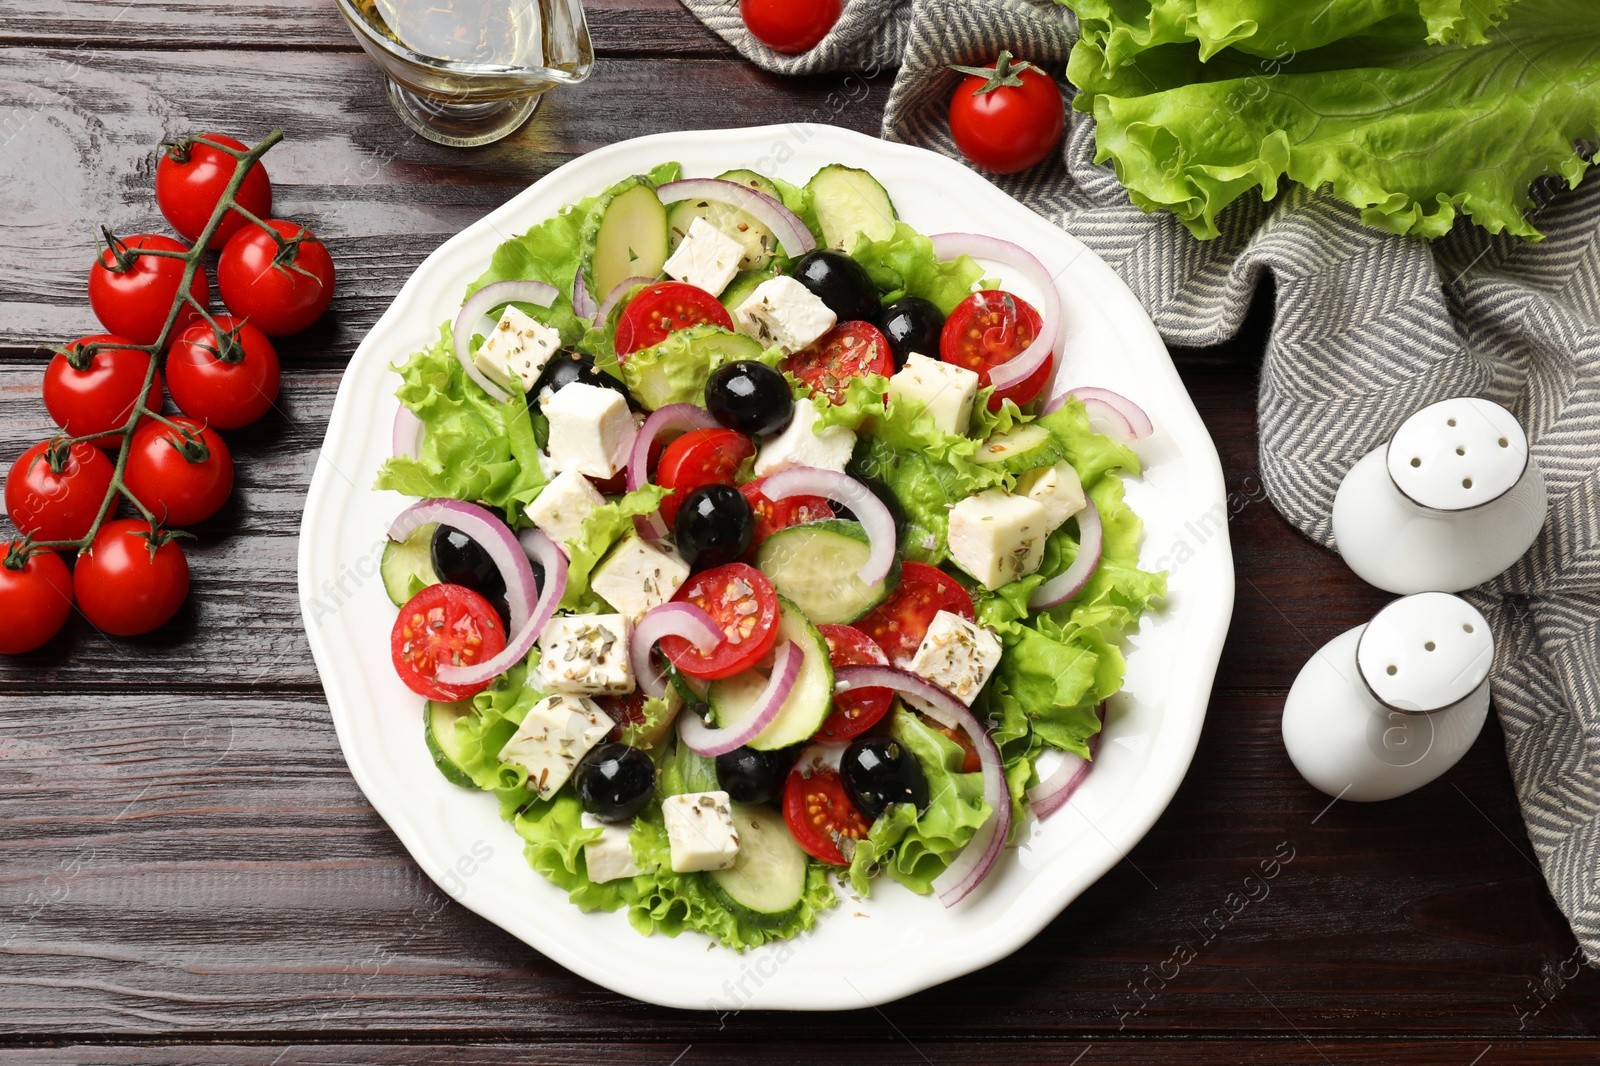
x: 189, y: 874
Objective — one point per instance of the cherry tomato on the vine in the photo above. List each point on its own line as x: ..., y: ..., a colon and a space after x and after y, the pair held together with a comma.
x: 280, y: 280
x: 182, y: 475
x: 131, y: 579
x: 55, y: 490
x: 993, y: 327
x: 227, y: 379
x: 35, y: 597
x: 132, y: 294
x: 100, y: 397
x: 790, y: 26
x: 1007, y: 117
x: 191, y: 178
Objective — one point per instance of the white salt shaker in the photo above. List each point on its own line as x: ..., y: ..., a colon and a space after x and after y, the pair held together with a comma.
x: 1388, y: 706
x: 1451, y: 501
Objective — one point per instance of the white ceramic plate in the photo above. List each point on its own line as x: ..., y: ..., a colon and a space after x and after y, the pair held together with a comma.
x: 863, y: 952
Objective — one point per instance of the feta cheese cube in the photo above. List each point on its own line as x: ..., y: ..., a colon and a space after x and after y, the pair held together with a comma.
x: 700, y: 831
x: 707, y: 259
x: 557, y: 732
x: 516, y: 350
x: 591, y: 429
x: 637, y: 576
x: 610, y: 857
x: 957, y: 655
x: 1056, y: 488
x: 997, y: 537
x: 802, y: 444
x: 783, y: 313
x: 940, y: 389
x: 587, y: 654
x: 562, y: 505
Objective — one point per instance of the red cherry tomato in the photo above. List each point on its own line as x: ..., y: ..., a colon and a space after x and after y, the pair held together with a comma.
x: 132, y: 294
x: 854, y: 712
x: 227, y: 380
x: 899, y: 623
x: 790, y: 26
x: 100, y: 397
x: 191, y: 178
x: 700, y: 457
x: 663, y: 308
x: 54, y: 491
x: 993, y: 327
x: 819, y: 813
x: 280, y: 280
x: 743, y: 604
x: 848, y: 350
x: 444, y: 624
x: 35, y: 597
x: 1007, y: 117
x: 773, y: 515
x: 130, y: 580
x: 182, y: 475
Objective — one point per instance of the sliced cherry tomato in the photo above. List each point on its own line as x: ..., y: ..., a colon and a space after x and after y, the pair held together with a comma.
x: 743, y: 604
x: 280, y: 278
x: 35, y: 597
x: 989, y: 328
x: 848, y: 350
x: 899, y: 623
x: 1007, y: 117
x: 54, y: 490
x: 227, y: 379
x: 444, y: 624
x: 191, y: 178
x: 131, y: 579
x: 819, y: 813
x: 100, y: 397
x: 663, y: 308
x: 132, y: 294
x: 970, y: 762
x: 183, y: 475
x: 790, y: 26
x: 773, y: 515
x: 854, y: 712
x: 700, y: 457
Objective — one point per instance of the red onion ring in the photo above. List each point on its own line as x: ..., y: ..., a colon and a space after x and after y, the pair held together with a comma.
x: 1126, y: 419
x: 874, y: 517
x: 704, y: 740
x: 582, y: 303
x: 481, y: 303
x: 980, y: 855
x: 669, y: 620
x: 537, y: 546
x: 406, y: 439
x: 491, y: 534
x: 792, y: 233
x: 1051, y: 794
x: 614, y: 297
x: 1070, y: 582
x: 1015, y: 370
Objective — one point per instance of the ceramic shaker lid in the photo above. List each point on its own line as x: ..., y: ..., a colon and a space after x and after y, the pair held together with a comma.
x: 1425, y: 652
x: 1458, y: 453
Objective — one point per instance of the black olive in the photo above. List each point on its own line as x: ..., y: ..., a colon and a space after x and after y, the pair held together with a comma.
x: 911, y: 324
x: 459, y: 560
x: 750, y: 397
x: 614, y: 781
x: 714, y: 526
x: 840, y: 282
x: 564, y: 368
x: 751, y: 776
x: 878, y: 771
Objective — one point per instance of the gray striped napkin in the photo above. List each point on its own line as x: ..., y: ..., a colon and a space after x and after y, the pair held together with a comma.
x: 1368, y: 328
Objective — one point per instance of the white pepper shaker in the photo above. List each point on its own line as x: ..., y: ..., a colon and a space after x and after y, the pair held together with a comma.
x: 1451, y: 501
x: 1386, y: 707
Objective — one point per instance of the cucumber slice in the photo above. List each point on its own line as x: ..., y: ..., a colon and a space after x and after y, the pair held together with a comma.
x: 740, y: 288
x: 815, y: 566
x: 809, y: 703
x: 439, y: 726
x: 1020, y: 449
x: 625, y: 235
x: 848, y: 203
x: 768, y: 878
x: 407, y: 568
x: 675, y: 371
x: 757, y: 240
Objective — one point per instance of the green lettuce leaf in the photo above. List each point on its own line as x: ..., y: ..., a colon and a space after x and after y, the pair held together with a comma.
x: 904, y: 265
x: 676, y: 370
x: 602, y: 528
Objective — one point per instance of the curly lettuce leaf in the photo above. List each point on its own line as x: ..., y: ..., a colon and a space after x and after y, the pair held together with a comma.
x: 602, y: 528
x: 903, y: 264
x: 676, y: 370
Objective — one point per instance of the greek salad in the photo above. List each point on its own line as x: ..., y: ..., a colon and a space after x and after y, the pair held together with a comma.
x: 749, y: 560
